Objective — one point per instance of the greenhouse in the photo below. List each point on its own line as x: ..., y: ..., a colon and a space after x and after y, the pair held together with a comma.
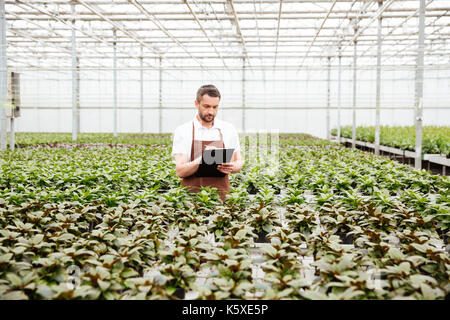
x: 224, y: 149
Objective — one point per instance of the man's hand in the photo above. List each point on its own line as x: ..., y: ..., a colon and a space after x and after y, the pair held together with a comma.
x: 226, y: 168
x: 184, y: 168
x: 232, y: 167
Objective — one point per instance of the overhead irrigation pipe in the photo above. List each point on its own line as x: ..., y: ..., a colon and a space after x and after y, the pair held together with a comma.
x: 435, y: 50
x: 42, y: 43
x: 258, y: 35
x: 441, y: 54
x: 317, y: 33
x: 115, y: 25
x: 293, y: 38
x: 60, y: 69
x: 249, y: 16
x: 50, y: 30
x: 396, y: 27
x: 64, y: 49
x: 163, y: 29
x: 278, y: 33
x: 239, y: 31
x: 118, y: 26
x: 205, y: 33
x: 71, y: 26
x: 374, y: 18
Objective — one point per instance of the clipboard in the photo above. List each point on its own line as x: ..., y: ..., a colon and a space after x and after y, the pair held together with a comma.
x: 210, y: 159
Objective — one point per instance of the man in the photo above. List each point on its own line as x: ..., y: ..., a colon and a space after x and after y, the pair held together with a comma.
x: 205, y: 131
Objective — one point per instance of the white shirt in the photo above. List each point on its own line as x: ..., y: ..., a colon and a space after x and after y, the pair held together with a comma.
x: 182, y: 137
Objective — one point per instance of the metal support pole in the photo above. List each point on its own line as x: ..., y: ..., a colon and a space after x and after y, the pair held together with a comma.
x: 339, y: 98
x: 75, y: 80
x: 12, y: 141
x: 142, y: 90
x: 328, y: 100
x: 354, y: 93
x: 419, y: 86
x: 78, y: 94
x: 3, y: 76
x: 160, y: 95
x: 115, y: 80
x: 377, y: 112
x: 243, y: 95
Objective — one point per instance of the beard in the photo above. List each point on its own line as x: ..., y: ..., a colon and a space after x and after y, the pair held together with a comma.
x: 205, y: 117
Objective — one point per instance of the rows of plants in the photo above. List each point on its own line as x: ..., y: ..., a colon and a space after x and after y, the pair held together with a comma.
x: 436, y: 139
x: 23, y: 139
x: 302, y: 139
x: 64, y: 140
x: 115, y: 223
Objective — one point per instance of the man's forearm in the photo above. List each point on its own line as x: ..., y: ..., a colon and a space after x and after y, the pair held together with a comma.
x: 187, y: 169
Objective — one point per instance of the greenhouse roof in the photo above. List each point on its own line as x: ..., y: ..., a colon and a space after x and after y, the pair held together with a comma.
x: 223, y: 33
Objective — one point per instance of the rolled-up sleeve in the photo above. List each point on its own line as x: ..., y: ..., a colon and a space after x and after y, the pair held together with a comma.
x: 179, y: 142
x: 232, y: 140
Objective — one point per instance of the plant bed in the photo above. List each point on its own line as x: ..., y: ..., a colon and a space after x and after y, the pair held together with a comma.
x: 436, y: 139
x: 101, y: 208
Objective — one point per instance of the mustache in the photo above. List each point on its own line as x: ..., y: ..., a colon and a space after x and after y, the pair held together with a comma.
x: 205, y: 117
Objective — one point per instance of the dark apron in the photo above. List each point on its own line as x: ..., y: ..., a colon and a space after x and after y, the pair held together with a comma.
x: 194, y: 183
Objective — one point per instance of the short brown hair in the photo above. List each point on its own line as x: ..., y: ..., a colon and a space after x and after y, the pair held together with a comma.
x: 208, y: 89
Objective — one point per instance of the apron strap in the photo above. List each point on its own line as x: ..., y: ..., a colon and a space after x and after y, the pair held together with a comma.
x: 192, y: 143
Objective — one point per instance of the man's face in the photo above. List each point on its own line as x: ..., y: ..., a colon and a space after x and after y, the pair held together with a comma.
x: 207, y: 107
